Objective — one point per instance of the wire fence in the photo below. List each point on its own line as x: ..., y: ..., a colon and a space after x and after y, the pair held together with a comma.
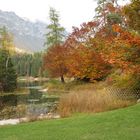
x: 124, y: 93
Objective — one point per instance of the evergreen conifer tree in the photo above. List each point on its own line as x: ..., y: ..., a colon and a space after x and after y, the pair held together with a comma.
x: 8, y: 78
x: 55, y: 33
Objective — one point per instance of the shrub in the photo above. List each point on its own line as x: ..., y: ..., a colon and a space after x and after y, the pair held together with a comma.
x: 21, y: 111
x: 13, y: 112
x: 125, y: 80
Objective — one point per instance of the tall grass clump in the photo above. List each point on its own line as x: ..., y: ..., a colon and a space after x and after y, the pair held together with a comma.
x: 89, y: 101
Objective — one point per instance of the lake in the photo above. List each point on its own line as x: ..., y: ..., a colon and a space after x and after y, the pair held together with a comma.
x: 37, y: 102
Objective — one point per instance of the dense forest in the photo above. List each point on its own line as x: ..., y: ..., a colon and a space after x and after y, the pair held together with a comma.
x: 28, y: 64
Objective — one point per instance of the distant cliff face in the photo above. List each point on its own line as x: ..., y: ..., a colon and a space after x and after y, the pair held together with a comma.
x: 28, y: 36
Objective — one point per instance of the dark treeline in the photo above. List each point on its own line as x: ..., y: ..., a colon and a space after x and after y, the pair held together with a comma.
x: 28, y: 64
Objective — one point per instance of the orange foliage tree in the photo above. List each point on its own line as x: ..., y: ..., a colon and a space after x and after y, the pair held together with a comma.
x: 84, y: 61
x: 87, y: 64
x: 54, y: 61
x: 125, y: 49
x: 93, y: 50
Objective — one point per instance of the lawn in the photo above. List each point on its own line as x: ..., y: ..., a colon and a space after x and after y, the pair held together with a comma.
x: 122, y: 124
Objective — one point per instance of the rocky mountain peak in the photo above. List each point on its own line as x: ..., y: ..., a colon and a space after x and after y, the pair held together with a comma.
x: 27, y: 35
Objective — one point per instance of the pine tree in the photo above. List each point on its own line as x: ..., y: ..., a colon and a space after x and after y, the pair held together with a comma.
x: 54, y: 38
x: 7, y: 72
x: 8, y: 78
x: 132, y: 14
x: 55, y: 35
x: 107, y: 12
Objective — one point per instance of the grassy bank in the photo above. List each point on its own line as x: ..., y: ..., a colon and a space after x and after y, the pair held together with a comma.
x: 89, y: 101
x: 122, y: 124
x: 79, y: 97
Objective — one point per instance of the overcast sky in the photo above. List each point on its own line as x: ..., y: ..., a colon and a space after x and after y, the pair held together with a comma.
x: 72, y: 12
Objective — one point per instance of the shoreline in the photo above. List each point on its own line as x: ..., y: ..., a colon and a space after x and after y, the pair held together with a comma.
x: 28, y: 119
x: 32, y: 79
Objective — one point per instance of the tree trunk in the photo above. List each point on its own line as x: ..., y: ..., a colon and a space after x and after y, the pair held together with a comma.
x: 62, y: 79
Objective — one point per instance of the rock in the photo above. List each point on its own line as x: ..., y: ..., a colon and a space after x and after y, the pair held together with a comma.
x: 138, y: 101
x: 9, y: 121
x: 44, y: 90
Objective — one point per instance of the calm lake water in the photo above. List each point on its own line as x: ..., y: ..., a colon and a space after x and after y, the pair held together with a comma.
x: 33, y: 88
x: 37, y: 101
x: 35, y: 95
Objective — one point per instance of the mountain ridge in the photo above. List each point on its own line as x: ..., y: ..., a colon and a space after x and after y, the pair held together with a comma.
x: 28, y: 35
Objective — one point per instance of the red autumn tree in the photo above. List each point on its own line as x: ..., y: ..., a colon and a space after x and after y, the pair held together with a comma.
x: 54, y: 61
x: 84, y: 61
x: 120, y: 48
x: 91, y: 51
x: 86, y: 64
x: 126, y: 46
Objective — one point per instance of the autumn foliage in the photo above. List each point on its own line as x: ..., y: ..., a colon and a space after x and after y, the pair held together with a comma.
x: 92, y: 51
x: 54, y: 61
x: 86, y: 64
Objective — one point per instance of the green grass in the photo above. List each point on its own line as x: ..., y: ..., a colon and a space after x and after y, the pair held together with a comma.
x: 122, y: 124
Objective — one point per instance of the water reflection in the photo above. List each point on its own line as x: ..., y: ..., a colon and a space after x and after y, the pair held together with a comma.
x: 36, y: 100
